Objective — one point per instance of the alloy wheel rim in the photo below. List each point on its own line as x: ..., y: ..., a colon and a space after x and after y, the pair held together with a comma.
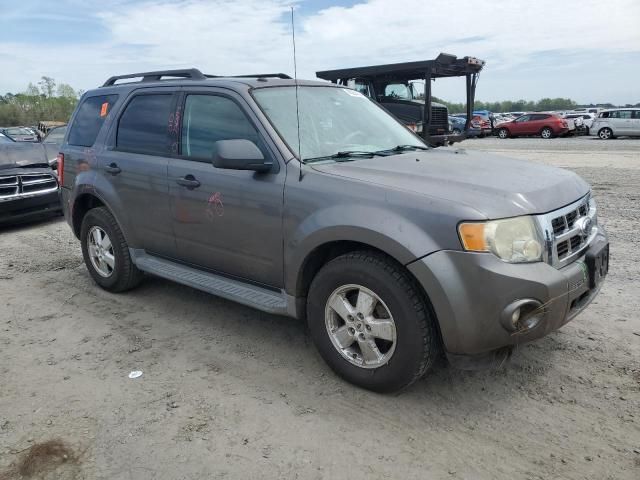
x: 604, y: 134
x: 101, y: 252
x: 546, y: 133
x: 360, y: 326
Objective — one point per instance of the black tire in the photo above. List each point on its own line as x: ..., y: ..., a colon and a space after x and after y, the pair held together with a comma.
x: 417, y: 342
x: 125, y: 275
x: 546, y: 133
x: 503, y: 133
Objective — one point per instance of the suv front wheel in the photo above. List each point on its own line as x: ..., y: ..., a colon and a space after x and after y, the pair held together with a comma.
x: 605, y: 133
x: 370, y: 322
x: 503, y: 133
x: 106, y: 253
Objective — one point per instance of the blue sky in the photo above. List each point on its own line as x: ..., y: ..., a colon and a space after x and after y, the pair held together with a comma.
x: 588, y: 50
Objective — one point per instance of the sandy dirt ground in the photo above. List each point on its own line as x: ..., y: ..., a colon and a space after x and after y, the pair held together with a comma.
x: 229, y: 392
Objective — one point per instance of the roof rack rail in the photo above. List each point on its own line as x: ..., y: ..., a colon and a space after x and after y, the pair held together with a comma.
x: 283, y: 76
x: 191, y: 74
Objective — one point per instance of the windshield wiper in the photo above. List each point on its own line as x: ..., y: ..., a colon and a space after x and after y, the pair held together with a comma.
x: 400, y: 149
x: 348, y: 155
x: 344, y: 156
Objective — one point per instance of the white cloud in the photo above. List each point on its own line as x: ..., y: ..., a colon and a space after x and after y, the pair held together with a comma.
x: 232, y: 37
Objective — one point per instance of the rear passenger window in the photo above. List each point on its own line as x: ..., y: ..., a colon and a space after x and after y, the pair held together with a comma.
x: 209, y: 118
x: 90, y: 117
x: 625, y: 114
x: 143, y: 125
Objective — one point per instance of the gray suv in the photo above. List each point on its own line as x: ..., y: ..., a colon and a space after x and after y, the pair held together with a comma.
x: 307, y: 199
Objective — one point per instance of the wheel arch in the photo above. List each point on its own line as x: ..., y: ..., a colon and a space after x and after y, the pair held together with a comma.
x: 324, y: 253
x: 81, y: 205
x: 86, y: 201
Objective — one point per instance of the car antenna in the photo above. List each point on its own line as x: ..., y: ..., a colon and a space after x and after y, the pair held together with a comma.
x: 295, y: 80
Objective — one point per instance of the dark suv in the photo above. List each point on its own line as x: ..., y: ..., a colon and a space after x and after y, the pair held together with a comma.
x: 308, y: 199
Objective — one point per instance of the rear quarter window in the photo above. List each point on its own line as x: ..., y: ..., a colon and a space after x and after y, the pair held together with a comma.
x: 89, y: 119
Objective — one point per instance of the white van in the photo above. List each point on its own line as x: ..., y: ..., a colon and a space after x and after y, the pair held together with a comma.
x: 617, y: 122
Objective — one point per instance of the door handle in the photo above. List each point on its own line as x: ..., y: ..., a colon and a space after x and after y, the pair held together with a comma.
x: 188, y: 181
x: 113, y: 169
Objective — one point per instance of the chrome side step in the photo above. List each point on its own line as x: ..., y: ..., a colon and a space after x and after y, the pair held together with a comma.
x: 237, y: 291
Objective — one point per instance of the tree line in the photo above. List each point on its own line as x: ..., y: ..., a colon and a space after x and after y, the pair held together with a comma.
x: 45, y: 101
x: 542, y: 105
x: 48, y: 101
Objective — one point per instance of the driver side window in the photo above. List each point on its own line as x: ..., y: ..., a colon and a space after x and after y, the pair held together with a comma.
x: 209, y: 118
x: 359, y: 85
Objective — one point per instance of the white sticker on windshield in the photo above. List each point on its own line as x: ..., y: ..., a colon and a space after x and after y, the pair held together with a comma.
x: 353, y: 93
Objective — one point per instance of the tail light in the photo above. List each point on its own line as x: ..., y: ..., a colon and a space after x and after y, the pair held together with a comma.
x: 60, y: 168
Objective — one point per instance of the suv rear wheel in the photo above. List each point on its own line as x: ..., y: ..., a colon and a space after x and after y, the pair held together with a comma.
x: 546, y: 132
x: 106, y: 253
x: 370, y: 322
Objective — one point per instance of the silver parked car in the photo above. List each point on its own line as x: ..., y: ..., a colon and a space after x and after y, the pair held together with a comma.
x: 617, y: 123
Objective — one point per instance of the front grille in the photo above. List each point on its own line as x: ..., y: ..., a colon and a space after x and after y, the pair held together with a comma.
x: 440, y: 117
x: 28, y: 184
x: 558, y: 225
x: 565, y: 237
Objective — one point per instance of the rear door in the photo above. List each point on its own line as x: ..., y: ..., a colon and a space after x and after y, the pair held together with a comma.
x: 621, y: 122
x: 536, y: 123
x: 228, y: 221
x: 135, y: 166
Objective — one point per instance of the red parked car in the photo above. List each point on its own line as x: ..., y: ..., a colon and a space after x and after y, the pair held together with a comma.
x: 544, y: 124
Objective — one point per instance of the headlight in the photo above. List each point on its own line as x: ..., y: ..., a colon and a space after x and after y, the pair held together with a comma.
x: 514, y: 240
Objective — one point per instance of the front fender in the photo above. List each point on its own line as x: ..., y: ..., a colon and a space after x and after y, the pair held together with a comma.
x: 383, y: 229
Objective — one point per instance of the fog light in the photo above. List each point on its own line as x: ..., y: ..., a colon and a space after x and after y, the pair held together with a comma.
x: 522, y: 315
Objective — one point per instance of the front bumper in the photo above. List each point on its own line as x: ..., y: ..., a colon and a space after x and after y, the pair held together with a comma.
x: 469, y: 292
x: 24, y: 208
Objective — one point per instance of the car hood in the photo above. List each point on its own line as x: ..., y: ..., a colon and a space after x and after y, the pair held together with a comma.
x: 497, y: 187
x: 21, y: 154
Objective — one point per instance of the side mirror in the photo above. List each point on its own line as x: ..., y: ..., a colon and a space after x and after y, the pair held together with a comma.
x: 239, y: 154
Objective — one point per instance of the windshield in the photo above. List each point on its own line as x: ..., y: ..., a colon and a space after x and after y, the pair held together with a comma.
x: 19, y: 131
x: 332, y: 120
